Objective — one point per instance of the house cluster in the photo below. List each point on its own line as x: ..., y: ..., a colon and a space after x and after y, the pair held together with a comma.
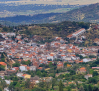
x: 57, y: 51
x: 39, y: 54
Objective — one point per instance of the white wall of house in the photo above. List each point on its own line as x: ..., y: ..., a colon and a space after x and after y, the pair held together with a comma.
x: 68, y: 58
x: 23, y: 68
x: 33, y: 68
x: 50, y: 57
x: 19, y: 74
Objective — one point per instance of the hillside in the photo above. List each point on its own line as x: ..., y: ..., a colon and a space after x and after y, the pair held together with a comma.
x: 63, y: 29
x: 48, y: 30
x: 87, y: 14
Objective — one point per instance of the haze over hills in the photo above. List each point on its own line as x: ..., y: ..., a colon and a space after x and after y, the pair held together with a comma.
x: 87, y: 14
x: 32, y: 9
x: 65, y: 2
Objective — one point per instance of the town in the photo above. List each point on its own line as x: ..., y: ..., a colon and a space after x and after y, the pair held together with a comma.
x: 23, y: 58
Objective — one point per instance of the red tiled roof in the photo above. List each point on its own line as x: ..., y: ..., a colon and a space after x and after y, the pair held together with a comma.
x: 3, y: 63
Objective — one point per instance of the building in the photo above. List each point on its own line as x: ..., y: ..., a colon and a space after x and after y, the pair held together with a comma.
x: 26, y: 76
x: 23, y: 67
x: 81, y: 70
x: 33, y: 68
x: 4, y: 64
x: 60, y: 65
x: 87, y: 76
x: 77, y: 33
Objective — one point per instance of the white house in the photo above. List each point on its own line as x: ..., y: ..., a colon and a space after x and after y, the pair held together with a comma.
x: 87, y: 76
x: 68, y: 58
x: 23, y: 67
x: 86, y: 60
x: 19, y: 74
x: 79, y: 32
x: 10, y: 34
x: 8, y: 82
x: 51, y: 56
x: 33, y: 68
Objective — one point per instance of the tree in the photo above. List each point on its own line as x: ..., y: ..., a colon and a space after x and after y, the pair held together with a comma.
x: 2, y: 59
x: 2, y: 55
x: 11, y: 86
x: 60, y: 86
x: 72, y: 72
x: 2, y: 67
x: 53, y: 82
x: 27, y: 83
x: 81, y: 88
x: 92, y: 80
x: 95, y: 73
x: 89, y: 88
x: 0, y: 89
x: 27, y: 62
x: 16, y: 65
x: 38, y: 89
x: 42, y: 84
x: 95, y: 88
x: 85, y: 87
x: 3, y: 83
x: 68, y: 88
x: 5, y: 29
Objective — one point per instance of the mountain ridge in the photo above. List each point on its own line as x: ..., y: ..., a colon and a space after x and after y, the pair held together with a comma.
x: 86, y: 14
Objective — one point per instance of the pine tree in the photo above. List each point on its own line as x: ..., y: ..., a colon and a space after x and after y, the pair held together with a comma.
x: 60, y: 86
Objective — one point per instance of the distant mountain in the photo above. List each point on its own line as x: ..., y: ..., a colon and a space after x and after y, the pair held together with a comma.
x: 87, y: 14
x: 22, y: 19
x: 7, y: 10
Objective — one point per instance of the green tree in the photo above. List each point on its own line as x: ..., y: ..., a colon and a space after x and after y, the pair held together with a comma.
x: 3, y: 83
x: 85, y: 87
x: 26, y: 63
x: 89, y: 88
x: 2, y: 67
x: 81, y: 88
x: 2, y: 59
x: 11, y: 86
x: 95, y: 73
x: 53, y: 82
x: 16, y: 65
x: 27, y: 83
x: 92, y: 80
x: 38, y: 89
x: 95, y: 88
x: 2, y: 55
x: 5, y: 29
x: 42, y: 84
x: 0, y: 89
x: 60, y: 86
x: 72, y: 72
x: 68, y: 88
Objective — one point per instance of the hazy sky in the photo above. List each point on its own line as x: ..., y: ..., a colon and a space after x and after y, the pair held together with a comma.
x: 81, y: 2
